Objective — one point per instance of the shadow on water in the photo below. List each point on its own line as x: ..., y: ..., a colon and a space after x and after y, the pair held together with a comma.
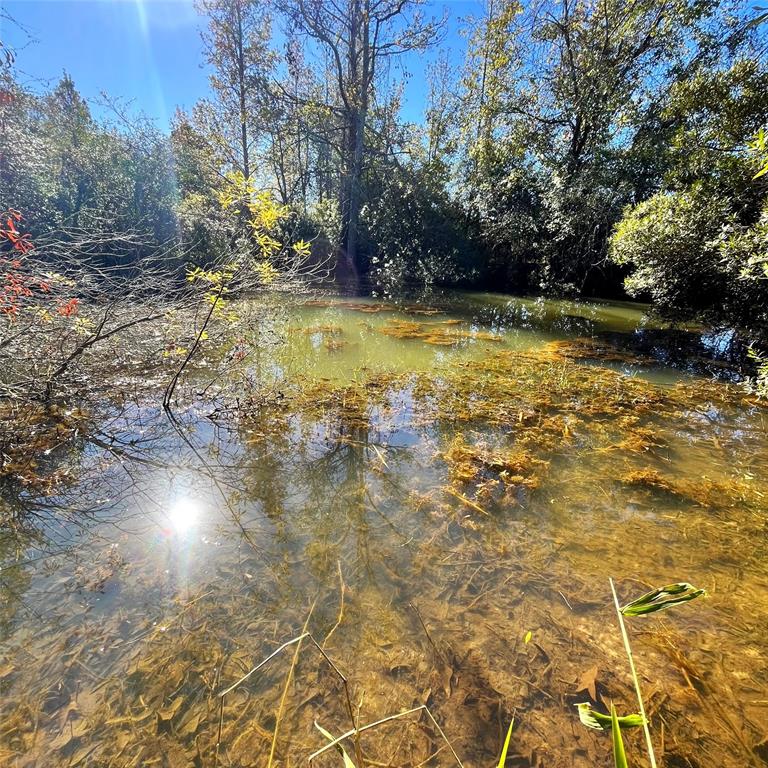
x: 438, y: 492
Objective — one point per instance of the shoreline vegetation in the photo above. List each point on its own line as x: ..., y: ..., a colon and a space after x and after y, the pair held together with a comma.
x: 573, y: 151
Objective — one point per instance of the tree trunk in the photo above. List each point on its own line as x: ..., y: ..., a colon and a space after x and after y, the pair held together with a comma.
x: 359, y: 77
x: 241, y: 89
x: 352, y: 192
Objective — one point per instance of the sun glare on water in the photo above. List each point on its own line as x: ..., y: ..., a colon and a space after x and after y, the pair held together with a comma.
x: 184, y: 514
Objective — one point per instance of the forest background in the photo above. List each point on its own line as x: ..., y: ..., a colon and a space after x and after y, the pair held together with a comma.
x: 566, y: 147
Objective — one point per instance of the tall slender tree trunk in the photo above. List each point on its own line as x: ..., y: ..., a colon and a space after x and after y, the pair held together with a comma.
x: 356, y: 150
x: 241, y: 90
x: 351, y: 188
x: 481, y: 119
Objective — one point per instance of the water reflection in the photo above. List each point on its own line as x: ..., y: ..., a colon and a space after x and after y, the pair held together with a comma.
x: 341, y: 335
x: 432, y: 503
x: 184, y: 515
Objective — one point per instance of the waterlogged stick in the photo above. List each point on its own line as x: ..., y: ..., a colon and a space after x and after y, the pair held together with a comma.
x: 422, y: 707
x: 342, y: 590
x: 337, y: 671
x: 635, y: 679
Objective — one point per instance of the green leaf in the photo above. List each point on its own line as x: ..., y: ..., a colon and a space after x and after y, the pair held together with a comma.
x: 347, y: 760
x: 503, y: 758
x: 600, y: 722
x: 619, y: 756
x: 662, y: 598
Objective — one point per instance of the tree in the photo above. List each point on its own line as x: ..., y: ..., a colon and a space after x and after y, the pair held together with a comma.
x: 414, y: 231
x: 699, y: 246
x: 442, y: 108
x: 359, y: 39
x: 577, y: 116
x: 237, y: 47
x: 70, y: 128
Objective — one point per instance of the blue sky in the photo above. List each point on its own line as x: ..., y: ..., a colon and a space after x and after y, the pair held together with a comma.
x: 149, y: 52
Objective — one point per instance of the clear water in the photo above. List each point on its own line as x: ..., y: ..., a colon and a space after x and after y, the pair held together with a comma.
x: 439, y: 495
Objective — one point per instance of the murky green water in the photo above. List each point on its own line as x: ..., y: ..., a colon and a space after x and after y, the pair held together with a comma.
x: 420, y: 488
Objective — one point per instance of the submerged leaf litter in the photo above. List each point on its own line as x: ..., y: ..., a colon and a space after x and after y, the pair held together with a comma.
x: 444, y: 527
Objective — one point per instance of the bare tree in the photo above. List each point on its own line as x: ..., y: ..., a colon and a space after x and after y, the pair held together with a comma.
x: 237, y: 47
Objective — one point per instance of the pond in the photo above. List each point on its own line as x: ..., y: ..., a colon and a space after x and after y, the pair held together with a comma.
x: 438, y: 493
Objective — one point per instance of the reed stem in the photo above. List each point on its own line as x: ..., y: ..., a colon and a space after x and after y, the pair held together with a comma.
x: 628, y: 649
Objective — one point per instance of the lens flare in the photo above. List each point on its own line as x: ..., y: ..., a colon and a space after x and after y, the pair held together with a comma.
x: 184, y: 514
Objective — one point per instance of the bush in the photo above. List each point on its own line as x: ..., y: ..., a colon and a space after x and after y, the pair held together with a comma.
x: 691, y: 256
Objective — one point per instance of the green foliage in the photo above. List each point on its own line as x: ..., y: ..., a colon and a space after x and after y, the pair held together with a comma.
x: 759, y: 145
x: 413, y: 230
x: 692, y: 256
x: 71, y: 172
x: 564, y: 128
x: 576, y: 113
x: 202, y: 225
x: 671, y: 243
x: 698, y: 246
x: 619, y: 755
x: 759, y: 384
x: 237, y: 50
x: 661, y: 598
x: 598, y: 721
x: 579, y: 145
x: 716, y: 113
x: 744, y: 250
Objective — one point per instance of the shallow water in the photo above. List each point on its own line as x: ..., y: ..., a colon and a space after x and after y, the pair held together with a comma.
x: 438, y: 492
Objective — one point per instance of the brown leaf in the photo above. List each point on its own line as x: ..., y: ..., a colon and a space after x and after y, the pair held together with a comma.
x: 167, y: 712
x: 190, y: 727
x: 81, y: 753
x: 588, y: 682
x: 72, y: 730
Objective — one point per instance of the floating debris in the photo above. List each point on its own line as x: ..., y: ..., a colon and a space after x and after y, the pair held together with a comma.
x: 593, y: 349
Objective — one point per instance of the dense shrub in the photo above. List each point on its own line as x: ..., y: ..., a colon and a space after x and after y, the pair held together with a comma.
x: 690, y: 255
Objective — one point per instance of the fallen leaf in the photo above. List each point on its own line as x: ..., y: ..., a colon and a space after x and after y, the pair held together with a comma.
x: 190, y: 726
x: 588, y: 682
x: 167, y: 712
x: 81, y: 754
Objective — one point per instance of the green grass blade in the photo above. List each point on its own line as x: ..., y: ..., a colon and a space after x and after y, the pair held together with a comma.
x: 662, y: 598
x: 619, y: 756
x: 503, y: 758
x: 633, y: 670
